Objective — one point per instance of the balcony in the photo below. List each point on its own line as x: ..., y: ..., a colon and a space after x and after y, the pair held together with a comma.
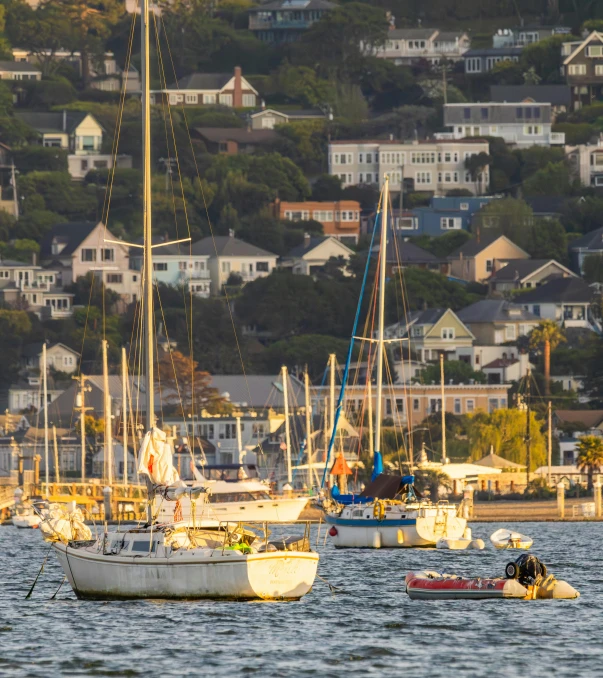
x: 256, y: 24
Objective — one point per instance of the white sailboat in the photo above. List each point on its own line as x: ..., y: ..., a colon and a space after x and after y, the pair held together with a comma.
x: 388, y: 513
x: 175, y: 560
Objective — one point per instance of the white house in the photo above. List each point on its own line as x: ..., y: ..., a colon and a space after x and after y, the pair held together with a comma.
x: 77, y: 132
x: 519, y: 124
x: 28, y: 394
x: 314, y: 253
x: 178, y: 265
x: 13, y: 70
x: 38, y: 289
x: 58, y: 357
x: 229, y: 255
x: 586, y: 162
x: 404, y: 46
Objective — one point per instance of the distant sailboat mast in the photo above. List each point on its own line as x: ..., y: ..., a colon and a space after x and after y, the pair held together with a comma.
x: 377, y: 455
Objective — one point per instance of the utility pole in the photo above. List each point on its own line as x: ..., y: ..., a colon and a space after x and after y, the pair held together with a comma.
x: 550, y: 440
x: 443, y: 409
x: 81, y: 406
x: 528, y: 436
x: 108, y: 451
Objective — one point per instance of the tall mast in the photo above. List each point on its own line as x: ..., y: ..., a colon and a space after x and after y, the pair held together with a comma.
x: 124, y: 409
x: 377, y: 458
x: 285, y: 379
x: 45, y: 392
x: 443, y: 409
x: 528, y: 434
x: 332, y: 364
x: 108, y: 427
x: 308, y: 424
x: 149, y: 328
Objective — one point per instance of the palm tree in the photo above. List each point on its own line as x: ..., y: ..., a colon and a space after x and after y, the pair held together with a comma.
x: 549, y: 335
x: 590, y: 456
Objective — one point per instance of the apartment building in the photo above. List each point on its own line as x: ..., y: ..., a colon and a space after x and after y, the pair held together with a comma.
x: 519, y: 124
x: 437, y: 166
x: 339, y: 218
x: 405, y: 46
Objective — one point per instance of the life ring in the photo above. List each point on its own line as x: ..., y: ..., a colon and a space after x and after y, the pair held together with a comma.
x: 379, y: 510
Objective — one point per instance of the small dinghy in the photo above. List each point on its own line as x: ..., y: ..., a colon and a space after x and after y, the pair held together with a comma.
x: 526, y: 579
x: 460, y: 544
x: 506, y: 539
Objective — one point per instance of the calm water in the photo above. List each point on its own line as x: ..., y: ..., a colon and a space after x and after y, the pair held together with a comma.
x: 371, y: 627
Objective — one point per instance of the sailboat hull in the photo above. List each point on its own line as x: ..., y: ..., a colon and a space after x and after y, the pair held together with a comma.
x: 269, y: 510
x: 410, y: 532
x: 189, y: 574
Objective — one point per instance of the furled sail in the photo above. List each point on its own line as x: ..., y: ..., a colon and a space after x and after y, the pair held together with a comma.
x: 156, y: 459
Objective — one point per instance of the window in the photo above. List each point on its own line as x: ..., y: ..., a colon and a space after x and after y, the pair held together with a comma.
x: 510, y: 332
x: 533, y: 130
x: 248, y: 100
x: 369, y: 158
x: 53, y: 142
x: 206, y: 431
x: 473, y: 65
x: 484, y: 113
x: 415, y: 404
x: 88, y: 254
x: 101, y: 164
x: 182, y: 266
x: 160, y: 266
x: 450, y: 223
x: 467, y: 113
x: 423, y: 158
x: 536, y: 310
x: 262, y: 267
x: 108, y: 255
x: 88, y: 143
x: 423, y: 178
x: 228, y: 431
x: 457, y: 405
x: 447, y: 333
x: 599, y: 69
x: 492, y: 404
x: 226, y: 99
x: 388, y: 406
x: 399, y: 405
x: 470, y: 406
x: 191, y: 98
x: 489, y: 265
x: 114, y: 278
x: 369, y: 178
x: 84, y: 165
x: 464, y: 206
x: 226, y: 267
x: 209, y: 99
x: 595, y: 50
x: 577, y: 69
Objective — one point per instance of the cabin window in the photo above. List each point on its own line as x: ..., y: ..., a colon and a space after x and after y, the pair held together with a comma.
x: 142, y: 546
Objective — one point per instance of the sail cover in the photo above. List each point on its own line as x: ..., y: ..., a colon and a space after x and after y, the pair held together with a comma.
x: 156, y: 458
x: 386, y: 486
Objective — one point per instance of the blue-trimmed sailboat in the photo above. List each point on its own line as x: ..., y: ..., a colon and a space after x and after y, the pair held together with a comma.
x: 388, y: 513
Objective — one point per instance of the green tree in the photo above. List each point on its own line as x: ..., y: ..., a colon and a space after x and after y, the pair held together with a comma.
x: 545, y: 58
x: 547, y: 335
x: 311, y: 350
x: 554, y: 174
x: 505, y: 431
x: 476, y: 164
x: 40, y: 159
x: 590, y: 456
x: 326, y: 187
x: 455, y: 371
x: 592, y: 269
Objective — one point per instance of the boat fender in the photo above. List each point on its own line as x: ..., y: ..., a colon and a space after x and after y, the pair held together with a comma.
x: 477, y: 544
x: 400, y: 537
x: 377, y: 540
x: 333, y: 531
x: 379, y: 510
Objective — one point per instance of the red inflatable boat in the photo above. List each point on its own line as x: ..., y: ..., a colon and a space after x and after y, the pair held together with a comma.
x: 434, y: 586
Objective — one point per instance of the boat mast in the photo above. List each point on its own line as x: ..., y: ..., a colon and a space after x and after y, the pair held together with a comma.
x: 149, y: 328
x: 377, y: 458
x: 108, y: 453
x: 124, y: 409
x: 45, y: 396
x: 308, y: 425
x: 443, y: 409
x: 285, y: 379
x: 332, y: 364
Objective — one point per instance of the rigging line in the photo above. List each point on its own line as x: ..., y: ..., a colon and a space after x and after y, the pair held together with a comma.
x: 349, y: 356
x: 189, y: 320
x: 239, y: 350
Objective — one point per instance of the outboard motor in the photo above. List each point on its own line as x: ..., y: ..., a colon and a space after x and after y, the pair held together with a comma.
x: 527, y: 569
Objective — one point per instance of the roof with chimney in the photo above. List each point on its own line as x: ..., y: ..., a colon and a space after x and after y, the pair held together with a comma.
x: 209, y: 82
x: 311, y: 244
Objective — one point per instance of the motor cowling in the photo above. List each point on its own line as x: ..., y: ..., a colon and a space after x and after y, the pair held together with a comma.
x: 527, y: 569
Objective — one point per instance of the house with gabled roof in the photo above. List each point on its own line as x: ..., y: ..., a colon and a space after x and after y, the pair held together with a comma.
x: 589, y: 245
x: 311, y: 256
x: 77, y: 132
x: 432, y: 331
x: 495, y: 321
x: 58, y: 357
x: 478, y: 258
x: 229, y: 255
x: 518, y: 274
x: 566, y: 300
x: 583, y: 69
x: 210, y: 89
x: 78, y: 248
